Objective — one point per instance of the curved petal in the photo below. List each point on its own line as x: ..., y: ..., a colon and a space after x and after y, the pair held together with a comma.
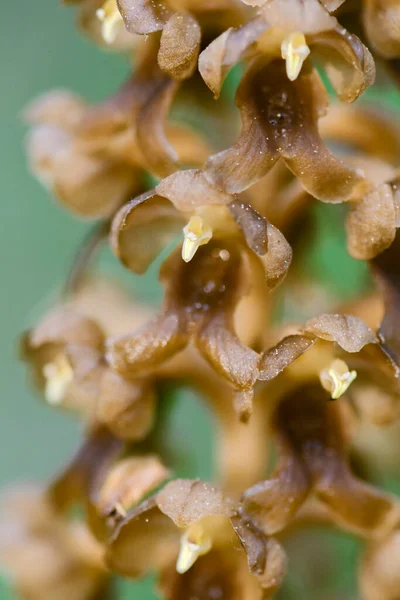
x: 227, y: 50
x: 231, y: 359
x: 265, y: 240
x: 349, y: 332
x: 255, y: 152
x: 371, y: 223
x: 272, y: 504
x: 265, y: 556
x: 347, y: 62
x: 145, y: 540
x: 135, y: 354
x: 142, y: 229
x: 314, y: 427
x: 144, y: 16
x: 179, y: 46
x: 294, y: 109
x: 276, y: 359
x: 128, y: 482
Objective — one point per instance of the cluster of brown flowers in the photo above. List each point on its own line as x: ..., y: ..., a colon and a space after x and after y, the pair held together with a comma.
x: 242, y: 214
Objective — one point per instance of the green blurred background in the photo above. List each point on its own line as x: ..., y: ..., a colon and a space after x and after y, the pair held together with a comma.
x: 40, y: 49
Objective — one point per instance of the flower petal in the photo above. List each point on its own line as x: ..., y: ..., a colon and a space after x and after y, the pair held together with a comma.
x: 135, y: 354
x: 371, y: 223
x: 142, y: 229
x: 186, y: 501
x: 190, y: 189
x: 346, y: 61
x: 349, y: 332
x: 146, y: 540
x: 265, y: 556
x: 143, y: 16
x: 265, y: 240
x: 255, y: 152
x: 227, y: 50
x: 276, y: 359
x: 179, y: 46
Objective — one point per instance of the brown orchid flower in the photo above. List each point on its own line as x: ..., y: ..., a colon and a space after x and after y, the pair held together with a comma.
x: 47, y: 555
x: 181, y: 23
x: 66, y: 354
x: 293, y: 30
x: 312, y: 460
x: 94, y: 158
x: 223, y: 239
x: 105, y: 480
x: 190, y: 533
x: 339, y: 350
x: 280, y: 119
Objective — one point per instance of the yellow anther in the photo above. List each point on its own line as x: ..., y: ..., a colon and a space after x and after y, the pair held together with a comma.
x: 195, y: 542
x: 111, y: 20
x: 196, y: 233
x: 58, y: 375
x: 295, y: 51
x: 337, y: 378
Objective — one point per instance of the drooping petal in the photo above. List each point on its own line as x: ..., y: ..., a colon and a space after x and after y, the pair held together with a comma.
x: 179, y: 46
x: 231, y: 359
x: 146, y: 540
x: 265, y: 240
x: 294, y: 109
x: 276, y: 359
x: 272, y: 504
x: 255, y: 152
x: 371, y: 223
x: 128, y: 482
x: 265, y: 556
x: 314, y: 427
x: 346, y: 61
x: 142, y: 229
x: 227, y: 50
x: 135, y: 354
